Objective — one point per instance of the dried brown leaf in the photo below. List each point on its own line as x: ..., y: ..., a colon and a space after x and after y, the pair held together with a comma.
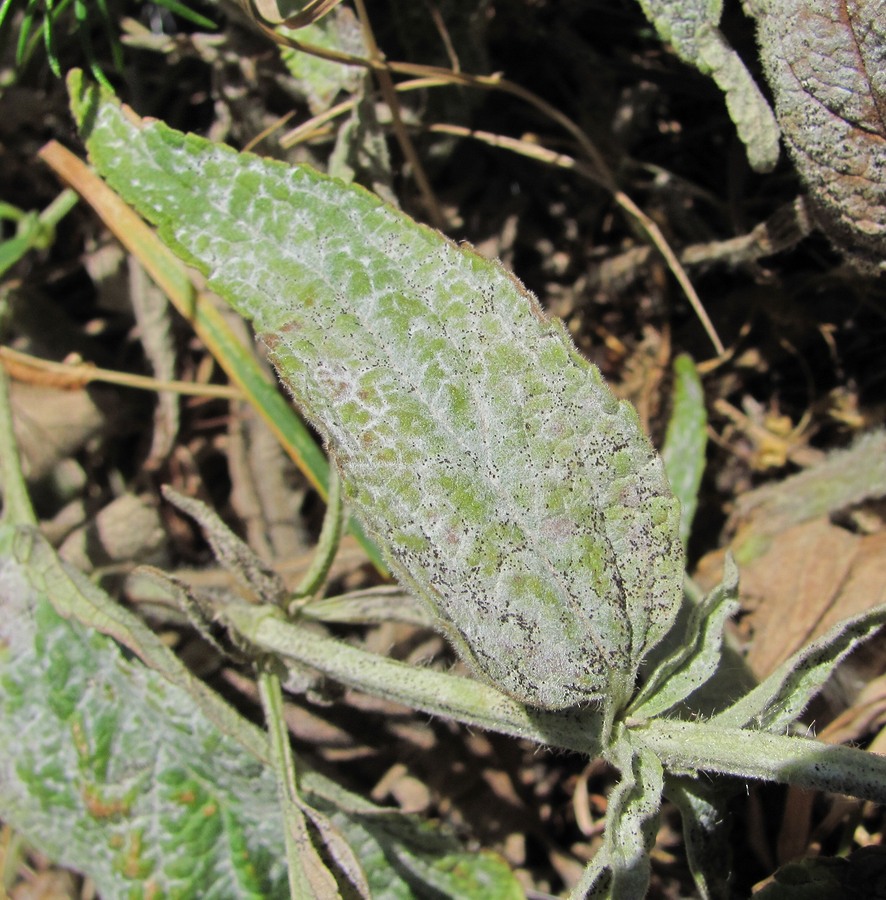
x: 813, y: 576
x: 53, y: 424
x: 128, y: 529
x: 800, y: 572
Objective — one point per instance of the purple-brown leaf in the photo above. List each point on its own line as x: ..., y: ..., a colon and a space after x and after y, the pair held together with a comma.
x: 826, y: 63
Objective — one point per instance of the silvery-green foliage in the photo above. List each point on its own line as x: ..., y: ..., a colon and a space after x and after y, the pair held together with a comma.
x: 691, y: 28
x: 107, y: 766
x: 705, y: 832
x: 621, y: 868
x: 777, y: 701
x: 512, y: 492
x: 319, y: 80
x: 126, y: 767
x: 140, y: 776
x: 695, y: 659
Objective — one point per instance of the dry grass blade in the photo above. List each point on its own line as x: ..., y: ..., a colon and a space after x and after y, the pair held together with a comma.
x: 76, y: 375
x: 597, y: 169
x: 236, y: 360
x: 269, y: 11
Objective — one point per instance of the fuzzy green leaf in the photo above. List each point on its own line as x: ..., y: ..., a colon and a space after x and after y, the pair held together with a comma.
x: 686, y: 439
x: 111, y: 769
x: 706, y: 833
x: 691, y: 27
x: 697, y: 658
x: 621, y: 868
x: 712, y: 746
x: 405, y: 859
x: 782, y: 697
x: 321, y: 80
x: 141, y: 778
x: 511, y: 491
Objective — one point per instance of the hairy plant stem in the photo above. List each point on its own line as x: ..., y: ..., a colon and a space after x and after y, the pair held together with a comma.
x: 437, y: 693
x: 754, y: 754
x: 682, y: 746
x: 295, y: 833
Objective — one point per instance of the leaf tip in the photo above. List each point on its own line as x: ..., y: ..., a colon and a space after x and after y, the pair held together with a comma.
x: 84, y: 98
x: 87, y: 98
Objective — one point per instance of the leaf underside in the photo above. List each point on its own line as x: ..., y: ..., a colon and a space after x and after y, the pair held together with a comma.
x: 826, y: 64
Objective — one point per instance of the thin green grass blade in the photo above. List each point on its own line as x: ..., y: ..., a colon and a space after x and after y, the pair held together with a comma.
x: 49, y: 39
x: 180, y: 9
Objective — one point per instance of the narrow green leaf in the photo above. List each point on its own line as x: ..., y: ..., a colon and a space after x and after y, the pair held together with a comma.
x: 388, y: 603
x: 327, y: 544
x: 235, y: 555
x: 309, y: 875
x: 511, y: 490
x: 33, y: 231
x: 17, y: 508
x: 5, y: 6
x: 631, y: 825
x: 13, y: 250
x: 24, y: 35
x: 698, y: 656
x: 775, y: 703
x: 186, y: 12
x: 685, y: 441
x: 691, y: 27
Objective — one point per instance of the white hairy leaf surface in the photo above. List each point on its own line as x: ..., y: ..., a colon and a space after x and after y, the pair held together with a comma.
x: 510, y: 490
x: 137, y: 774
x: 691, y: 28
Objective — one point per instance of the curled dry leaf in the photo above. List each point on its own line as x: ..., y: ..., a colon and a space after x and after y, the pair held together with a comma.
x: 813, y: 576
x: 801, y: 572
x: 826, y: 63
